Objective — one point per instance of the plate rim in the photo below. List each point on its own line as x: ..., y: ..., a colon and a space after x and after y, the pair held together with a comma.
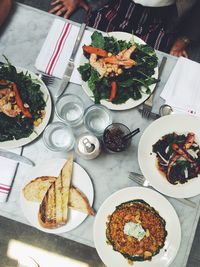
x: 61, y: 229
x: 130, y: 103
x: 168, y: 189
x: 138, y: 188
x: 37, y: 132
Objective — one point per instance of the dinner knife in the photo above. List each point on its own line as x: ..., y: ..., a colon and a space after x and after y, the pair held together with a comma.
x: 70, y: 66
x: 15, y: 157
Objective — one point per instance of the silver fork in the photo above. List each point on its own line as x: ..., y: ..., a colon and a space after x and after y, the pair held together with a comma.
x: 140, y: 180
x: 148, y: 104
x: 47, y: 79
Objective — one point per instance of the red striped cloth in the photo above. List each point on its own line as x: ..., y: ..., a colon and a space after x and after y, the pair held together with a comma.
x: 58, y: 47
x: 8, y: 168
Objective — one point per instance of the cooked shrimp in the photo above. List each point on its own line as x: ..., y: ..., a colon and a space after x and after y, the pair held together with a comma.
x: 181, y: 152
x: 116, y: 61
x: 126, y: 53
x: 189, y: 141
x: 9, y: 111
x: 98, y: 65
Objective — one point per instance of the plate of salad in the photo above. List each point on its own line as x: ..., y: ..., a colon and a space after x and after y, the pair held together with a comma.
x: 169, y: 158
x: 25, y: 106
x: 118, y: 69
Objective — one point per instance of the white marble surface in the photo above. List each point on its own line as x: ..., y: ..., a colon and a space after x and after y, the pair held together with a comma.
x: 21, y: 40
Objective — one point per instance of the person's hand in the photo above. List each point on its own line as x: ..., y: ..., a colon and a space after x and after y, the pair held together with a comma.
x: 67, y: 7
x: 179, y: 47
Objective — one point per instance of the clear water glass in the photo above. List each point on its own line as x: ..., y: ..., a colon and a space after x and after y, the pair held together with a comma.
x: 58, y: 136
x: 97, y: 118
x: 70, y: 109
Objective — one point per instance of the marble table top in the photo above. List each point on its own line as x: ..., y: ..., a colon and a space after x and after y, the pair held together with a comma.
x: 21, y: 40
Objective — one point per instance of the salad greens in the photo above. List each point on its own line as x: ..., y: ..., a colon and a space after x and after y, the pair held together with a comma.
x: 132, y: 82
x: 29, y: 90
x: 178, y: 157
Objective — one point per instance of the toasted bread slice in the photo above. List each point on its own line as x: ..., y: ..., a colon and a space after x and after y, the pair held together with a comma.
x: 36, y: 189
x: 53, y: 211
x: 79, y: 201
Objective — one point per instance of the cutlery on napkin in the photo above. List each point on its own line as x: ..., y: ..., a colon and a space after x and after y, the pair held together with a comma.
x: 57, y: 49
x: 70, y: 65
x: 8, y: 168
x: 181, y: 91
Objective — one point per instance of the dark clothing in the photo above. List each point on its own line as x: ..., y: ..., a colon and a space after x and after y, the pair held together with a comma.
x: 190, y: 24
x: 155, y: 25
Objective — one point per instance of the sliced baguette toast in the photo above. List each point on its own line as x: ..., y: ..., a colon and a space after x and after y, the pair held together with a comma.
x: 53, y: 211
x: 36, y: 189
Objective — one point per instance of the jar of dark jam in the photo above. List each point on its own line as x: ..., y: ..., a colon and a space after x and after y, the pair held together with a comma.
x: 113, y: 137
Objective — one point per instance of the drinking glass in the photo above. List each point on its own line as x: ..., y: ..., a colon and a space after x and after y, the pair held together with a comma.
x: 97, y: 118
x: 113, y: 137
x: 58, y: 136
x: 70, y: 109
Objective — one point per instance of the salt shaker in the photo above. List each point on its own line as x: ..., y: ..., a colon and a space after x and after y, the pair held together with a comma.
x: 88, y: 146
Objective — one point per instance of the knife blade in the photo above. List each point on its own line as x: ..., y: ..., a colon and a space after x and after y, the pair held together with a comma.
x: 15, y: 157
x: 70, y: 66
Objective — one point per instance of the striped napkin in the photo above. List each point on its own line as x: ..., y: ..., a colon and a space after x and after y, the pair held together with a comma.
x: 58, y: 47
x: 182, y: 91
x: 8, y: 168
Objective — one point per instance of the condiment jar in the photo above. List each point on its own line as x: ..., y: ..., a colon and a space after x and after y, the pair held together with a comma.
x: 88, y: 146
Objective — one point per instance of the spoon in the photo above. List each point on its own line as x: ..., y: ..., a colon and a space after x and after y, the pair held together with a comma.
x: 165, y: 110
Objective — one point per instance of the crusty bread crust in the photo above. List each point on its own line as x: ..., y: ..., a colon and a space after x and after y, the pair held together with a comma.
x: 36, y: 189
x: 79, y: 201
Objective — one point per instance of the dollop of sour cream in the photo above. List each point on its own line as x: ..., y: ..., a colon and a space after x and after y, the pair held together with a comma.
x: 134, y: 229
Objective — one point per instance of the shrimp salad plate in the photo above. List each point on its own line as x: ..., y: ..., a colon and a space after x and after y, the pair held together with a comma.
x: 118, y: 69
x: 169, y: 158
x: 25, y: 106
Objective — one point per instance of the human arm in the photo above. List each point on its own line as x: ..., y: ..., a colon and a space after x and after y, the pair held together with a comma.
x: 188, y: 31
x: 5, y: 7
x: 67, y: 7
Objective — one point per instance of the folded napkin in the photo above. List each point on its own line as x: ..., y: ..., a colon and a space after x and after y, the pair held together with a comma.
x: 58, y: 47
x: 8, y: 168
x: 182, y: 90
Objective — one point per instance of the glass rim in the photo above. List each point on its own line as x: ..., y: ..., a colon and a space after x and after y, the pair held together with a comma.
x: 90, y: 109
x: 73, y: 122
x: 45, y: 137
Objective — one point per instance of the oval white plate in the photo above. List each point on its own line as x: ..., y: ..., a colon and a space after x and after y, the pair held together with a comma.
x: 167, y: 253
x: 52, y: 167
x: 130, y: 103
x: 181, y: 124
x: 37, y: 130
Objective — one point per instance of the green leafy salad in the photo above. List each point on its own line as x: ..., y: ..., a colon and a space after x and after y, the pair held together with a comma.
x: 118, y: 70
x: 22, y: 105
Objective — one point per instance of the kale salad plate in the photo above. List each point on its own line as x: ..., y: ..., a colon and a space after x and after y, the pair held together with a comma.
x: 169, y: 155
x: 25, y: 106
x: 118, y: 69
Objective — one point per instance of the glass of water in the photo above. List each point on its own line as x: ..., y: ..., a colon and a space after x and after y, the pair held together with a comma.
x: 58, y: 136
x: 96, y: 118
x: 70, y: 109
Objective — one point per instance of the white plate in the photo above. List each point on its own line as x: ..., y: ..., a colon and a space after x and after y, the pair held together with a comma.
x: 113, y: 258
x: 181, y: 124
x: 39, y: 129
x: 52, y: 167
x: 130, y: 103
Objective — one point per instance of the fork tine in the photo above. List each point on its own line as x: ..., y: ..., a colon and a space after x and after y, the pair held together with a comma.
x: 139, y: 180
